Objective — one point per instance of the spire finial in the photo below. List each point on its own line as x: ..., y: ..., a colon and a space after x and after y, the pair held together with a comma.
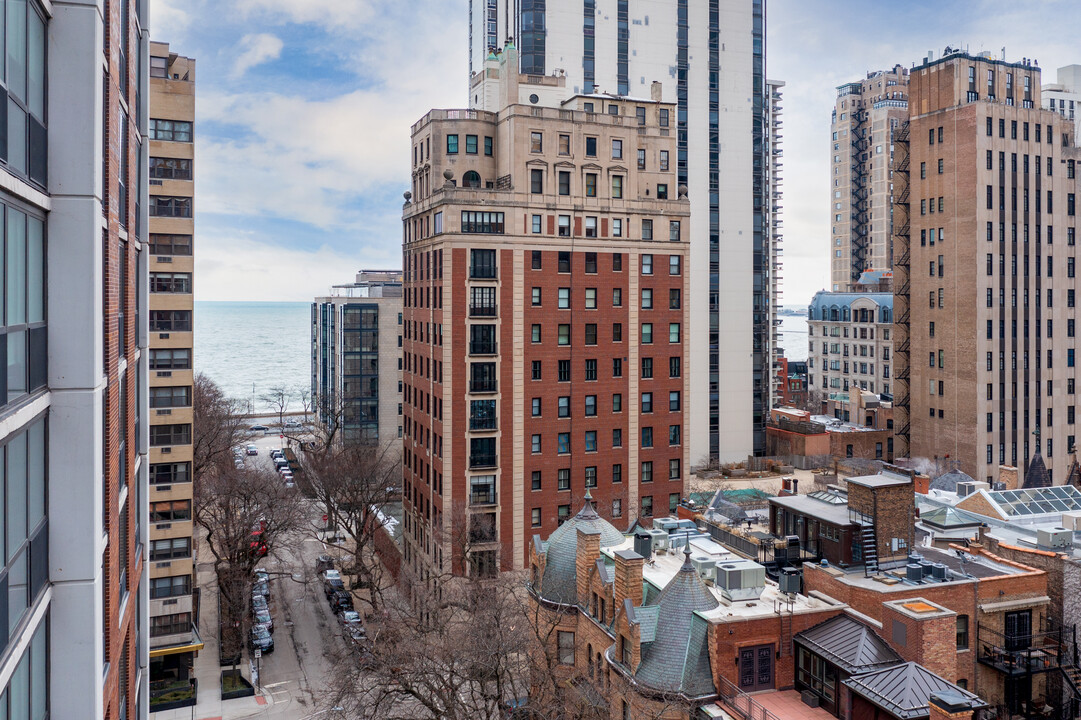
x: 687, y: 552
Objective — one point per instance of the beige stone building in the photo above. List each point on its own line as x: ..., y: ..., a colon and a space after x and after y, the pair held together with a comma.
x: 357, y: 359
x: 985, y: 277
x: 865, y: 117
x: 173, y: 636
x: 849, y: 346
x: 546, y: 318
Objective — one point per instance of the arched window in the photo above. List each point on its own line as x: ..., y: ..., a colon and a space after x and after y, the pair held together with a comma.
x: 835, y: 314
x: 471, y: 179
x: 845, y: 314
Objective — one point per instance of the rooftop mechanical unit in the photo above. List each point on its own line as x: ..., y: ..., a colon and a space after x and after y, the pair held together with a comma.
x: 659, y: 539
x: 1058, y: 538
x: 705, y: 566
x: 741, y: 580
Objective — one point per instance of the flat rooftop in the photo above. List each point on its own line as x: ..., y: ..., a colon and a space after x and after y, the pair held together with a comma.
x: 660, y: 570
x: 974, y: 567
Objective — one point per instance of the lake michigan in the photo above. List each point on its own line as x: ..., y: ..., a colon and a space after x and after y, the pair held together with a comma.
x: 260, y: 345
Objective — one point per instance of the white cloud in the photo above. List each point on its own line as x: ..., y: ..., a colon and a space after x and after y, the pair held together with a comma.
x: 236, y: 267
x: 167, y: 21
x: 339, y: 14
x: 255, y: 50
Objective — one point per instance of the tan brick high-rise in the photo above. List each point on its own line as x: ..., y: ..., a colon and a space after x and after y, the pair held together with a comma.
x: 986, y: 282
x: 173, y: 637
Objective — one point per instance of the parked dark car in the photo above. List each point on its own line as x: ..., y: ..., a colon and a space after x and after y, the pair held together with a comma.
x: 340, y: 600
x: 323, y: 563
x: 260, y: 587
x: 332, y: 581
x: 262, y: 617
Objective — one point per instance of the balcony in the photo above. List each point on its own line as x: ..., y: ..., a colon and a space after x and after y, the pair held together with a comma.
x: 483, y: 385
x: 1022, y: 654
x: 482, y: 347
x: 482, y: 310
x: 480, y: 423
x: 482, y: 495
x: 482, y: 460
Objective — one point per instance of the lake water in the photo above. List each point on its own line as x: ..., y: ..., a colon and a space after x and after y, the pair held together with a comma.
x: 794, y: 336
x: 249, y: 347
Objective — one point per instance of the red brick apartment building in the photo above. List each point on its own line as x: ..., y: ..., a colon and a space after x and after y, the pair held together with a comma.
x: 545, y: 315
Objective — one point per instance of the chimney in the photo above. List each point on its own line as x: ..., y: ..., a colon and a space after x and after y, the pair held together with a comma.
x: 589, y: 549
x: 628, y: 578
x: 655, y: 91
x: 949, y: 705
x: 1007, y: 474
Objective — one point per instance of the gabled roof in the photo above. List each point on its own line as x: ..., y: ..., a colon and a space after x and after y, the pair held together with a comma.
x: 904, y: 690
x: 560, y: 580
x: 678, y: 658
x: 948, y: 481
x: 848, y: 644
x: 1037, y: 476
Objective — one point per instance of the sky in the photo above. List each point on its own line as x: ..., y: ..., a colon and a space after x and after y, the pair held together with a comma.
x: 303, y: 111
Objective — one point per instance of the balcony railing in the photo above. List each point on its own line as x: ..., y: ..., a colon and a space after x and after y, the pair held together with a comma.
x: 482, y: 495
x: 1022, y: 653
x: 482, y: 386
x: 482, y: 423
x: 482, y: 310
x: 482, y: 347
x: 482, y: 461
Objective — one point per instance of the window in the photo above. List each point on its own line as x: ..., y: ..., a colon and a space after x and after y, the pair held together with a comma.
x: 591, y: 228
x: 536, y: 297
x: 536, y: 480
x: 647, y: 437
x: 170, y: 168
x: 535, y: 517
x: 962, y: 632
x: 647, y: 506
x: 564, y: 442
x: 675, y: 266
x: 647, y: 402
x: 673, y: 230
x: 591, y: 147
x: 487, y: 145
x: 647, y: 264
x: 565, y: 642
x: 535, y: 444
x: 564, y: 405
x: 617, y: 437
x: 647, y: 298
x: 170, y: 282
x: 564, y: 144
x: 674, y: 404
x: 565, y: 231
x: 170, y: 549
x: 536, y: 370
x: 170, y: 510
x: 169, y: 473
x: 536, y: 181
x: 591, y: 446
x: 177, y: 623
x: 641, y: 159
x: 617, y: 297
x: 591, y: 405
x: 673, y: 332
x: 159, y: 67
x: 647, y: 229
x: 490, y: 223
x: 662, y: 191
x: 591, y: 184
x: 674, y: 295
x: 674, y: 364
x: 617, y: 149
x: 647, y: 471
x: 664, y: 161
x: 617, y: 187
x: 564, y: 298
x: 178, y: 131
x: 564, y: 371
x: 161, y: 244
x: 617, y: 402
x: 471, y: 144
x: 536, y: 407
x: 591, y: 298
x: 170, y: 320
x: 536, y: 142
x: 564, y: 182
x: 591, y: 368
x: 617, y: 366
x: 175, y: 207
x: 170, y: 397
x: 452, y: 144
x: 647, y: 333
x: 166, y: 587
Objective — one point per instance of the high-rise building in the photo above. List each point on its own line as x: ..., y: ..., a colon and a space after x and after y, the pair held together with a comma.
x: 174, y: 637
x: 711, y: 58
x: 74, y: 430
x: 1064, y: 96
x: 357, y: 359
x: 546, y: 264
x: 768, y: 282
x: 985, y: 281
x: 866, y: 115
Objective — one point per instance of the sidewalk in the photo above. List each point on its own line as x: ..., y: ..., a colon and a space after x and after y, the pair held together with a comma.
x: 210, y: 706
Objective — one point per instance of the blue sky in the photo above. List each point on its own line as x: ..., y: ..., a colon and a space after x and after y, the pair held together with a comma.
x: 304, y: 108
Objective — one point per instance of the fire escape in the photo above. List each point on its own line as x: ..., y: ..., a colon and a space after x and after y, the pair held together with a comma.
x: 858, y: 227
x: 901, y: 292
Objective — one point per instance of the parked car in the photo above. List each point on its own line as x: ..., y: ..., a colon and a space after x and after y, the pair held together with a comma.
x: 238, y: 464
x: 259, y: 428
x: 332, y: 580
x: 262, y: 617
x: 340, y: 600
x: 291, y: 423
x: 276, y: 453
x: 260, y: 587
x: 251, y: 450
x: 261, y: 639
x: 261, y: 574
x: 324, y: 562
x: 259, y: 602
x: 350, y: 619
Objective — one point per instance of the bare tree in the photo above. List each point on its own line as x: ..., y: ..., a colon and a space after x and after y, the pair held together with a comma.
x: 354, y: 483
x: 244, y: 515
x: 304, y: 395
x: 278, y: 398
x: 217, y: 426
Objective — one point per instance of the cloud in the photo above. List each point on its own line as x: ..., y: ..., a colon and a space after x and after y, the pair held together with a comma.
x: 167, y: 21
x: 255, y: 50
x: 340, y: 14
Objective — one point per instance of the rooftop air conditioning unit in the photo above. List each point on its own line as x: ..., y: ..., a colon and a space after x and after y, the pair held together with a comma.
x: 705, y: 566
x: 659, y: 539
x: 1072, y: 521
x: 1057, y: 538
x: 741, y: 580
x: 964, y: 489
